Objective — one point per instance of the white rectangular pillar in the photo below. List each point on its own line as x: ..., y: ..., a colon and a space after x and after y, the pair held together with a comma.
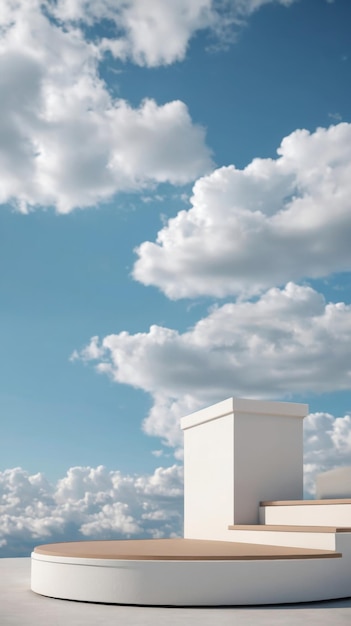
x: 237, y: 453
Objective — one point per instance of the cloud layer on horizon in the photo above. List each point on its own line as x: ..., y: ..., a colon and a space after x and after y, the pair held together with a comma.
x: 87, y: 503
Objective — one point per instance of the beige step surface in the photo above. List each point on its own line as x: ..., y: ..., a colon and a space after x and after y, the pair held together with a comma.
x: 304, y: 502
x: 289, y: 528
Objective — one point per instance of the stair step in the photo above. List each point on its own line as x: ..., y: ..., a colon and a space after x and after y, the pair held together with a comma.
x: 334, y: 513
x: 305, y: 502
x: 299, y: 536
x: 290, y: 528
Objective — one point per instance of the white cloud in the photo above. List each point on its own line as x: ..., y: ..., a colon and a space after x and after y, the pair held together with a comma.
x: 327, y: 444
x: 274, y: 221
x: 337, y: 117
x: 156, y: 32
x: 110, y: 518
x: 87, y: 503
x: 65, y: 141
x: 288, y: 341
x: 157, y: 453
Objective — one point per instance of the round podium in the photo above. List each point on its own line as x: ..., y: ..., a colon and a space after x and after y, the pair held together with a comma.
x: 183, y: 572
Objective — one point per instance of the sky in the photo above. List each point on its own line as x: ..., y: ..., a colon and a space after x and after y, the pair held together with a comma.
x: 175, y: 184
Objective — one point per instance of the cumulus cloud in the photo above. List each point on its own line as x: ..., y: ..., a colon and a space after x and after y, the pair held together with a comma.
x: 65, y: 141
x: 87, y: 503
x: 155, y: 32
x: 327, y: 445
x: 274, y: 221
x: 149, y: 33
x: 288, y: 341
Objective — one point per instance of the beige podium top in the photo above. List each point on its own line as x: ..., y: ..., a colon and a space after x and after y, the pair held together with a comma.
x: 177, y: 550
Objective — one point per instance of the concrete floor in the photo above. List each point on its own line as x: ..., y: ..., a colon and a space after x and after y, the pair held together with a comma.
x: 20, y: 607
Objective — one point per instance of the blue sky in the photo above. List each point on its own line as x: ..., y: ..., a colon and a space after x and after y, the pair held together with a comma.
x: 135, y: 122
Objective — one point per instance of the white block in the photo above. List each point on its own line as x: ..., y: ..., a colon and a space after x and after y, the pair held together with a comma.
x: 334, y: 484
x: 236, y: 453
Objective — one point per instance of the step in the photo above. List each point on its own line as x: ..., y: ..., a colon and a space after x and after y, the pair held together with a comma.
x: 317, y: 537
x: 336, y: 512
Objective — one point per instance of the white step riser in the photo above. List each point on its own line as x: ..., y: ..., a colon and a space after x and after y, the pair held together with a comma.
x: 318, y: 541
x: 337, y: 515
x: 343, y: 545
x: 193, y: 582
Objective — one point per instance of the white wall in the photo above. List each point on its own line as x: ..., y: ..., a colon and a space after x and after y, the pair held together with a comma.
x: 268, y: 462
x: 208, y: 478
